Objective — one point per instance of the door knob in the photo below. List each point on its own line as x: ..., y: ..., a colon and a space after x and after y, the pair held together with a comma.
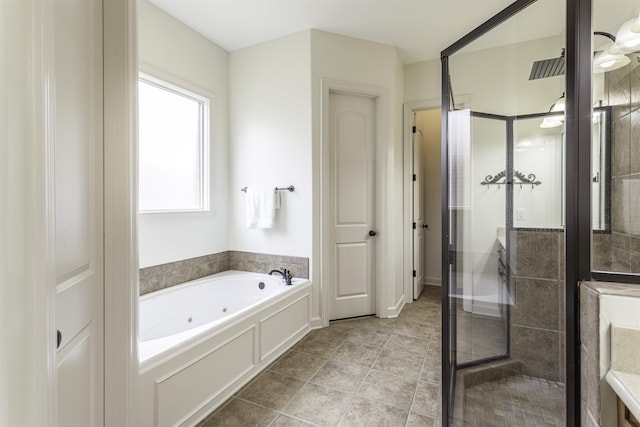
x: 372, y: 233
x: 425, y: 225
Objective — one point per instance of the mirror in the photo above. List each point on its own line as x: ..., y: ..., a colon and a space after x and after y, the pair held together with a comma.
x: 538, y: 192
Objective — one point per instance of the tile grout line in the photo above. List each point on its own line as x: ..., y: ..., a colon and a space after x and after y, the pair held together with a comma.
x: 415, y: 392
x: 346, y: 410
x: 281, y: 412
x: 415, y: 334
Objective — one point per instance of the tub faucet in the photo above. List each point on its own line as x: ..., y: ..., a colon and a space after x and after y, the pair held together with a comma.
x: 286, y: 275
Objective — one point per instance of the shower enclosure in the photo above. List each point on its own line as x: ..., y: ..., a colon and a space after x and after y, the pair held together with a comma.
x: 508, y: 333
x: 506, y: 153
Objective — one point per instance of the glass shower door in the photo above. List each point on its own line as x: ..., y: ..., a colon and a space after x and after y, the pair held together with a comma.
x: 503, y: 303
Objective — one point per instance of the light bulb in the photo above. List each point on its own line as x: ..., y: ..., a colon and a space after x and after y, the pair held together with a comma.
x: 608, y: 64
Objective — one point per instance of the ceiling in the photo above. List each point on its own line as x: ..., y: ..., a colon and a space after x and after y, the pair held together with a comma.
x: 420, y: 29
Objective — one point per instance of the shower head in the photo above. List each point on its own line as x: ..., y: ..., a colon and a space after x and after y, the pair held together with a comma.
x: 547, y: 68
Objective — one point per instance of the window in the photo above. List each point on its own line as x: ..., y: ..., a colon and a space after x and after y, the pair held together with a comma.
x: 173, y: 147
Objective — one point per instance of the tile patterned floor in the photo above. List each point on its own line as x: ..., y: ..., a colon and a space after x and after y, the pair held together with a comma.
x: 381, y: 372
x: 361, y: 372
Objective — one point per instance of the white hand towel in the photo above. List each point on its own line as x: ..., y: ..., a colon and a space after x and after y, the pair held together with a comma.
x: 260, y: 204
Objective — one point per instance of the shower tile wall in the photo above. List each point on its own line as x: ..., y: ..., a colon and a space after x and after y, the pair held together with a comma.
x: 621, y: 253
x: 174, y: 273
x: 537, y: 313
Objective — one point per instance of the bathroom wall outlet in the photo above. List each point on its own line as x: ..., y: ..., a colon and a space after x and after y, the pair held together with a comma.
x: 520, y: 214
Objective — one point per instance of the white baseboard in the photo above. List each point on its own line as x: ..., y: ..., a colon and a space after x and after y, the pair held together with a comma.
x: 395, y: 310
x: 433, y: 281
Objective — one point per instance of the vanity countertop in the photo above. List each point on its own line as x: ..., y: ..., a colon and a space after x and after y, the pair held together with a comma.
x: 624, y: 375
x: 627, y: 387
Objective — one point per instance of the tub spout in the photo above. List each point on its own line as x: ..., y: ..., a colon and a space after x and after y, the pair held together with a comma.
x: 286, y: 275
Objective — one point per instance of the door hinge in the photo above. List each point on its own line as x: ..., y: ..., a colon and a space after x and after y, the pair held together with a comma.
x: 414, y: 177
x: 413, y: 129
x: 414, y: 225
x: 452, y: 255
x: 415, y: 274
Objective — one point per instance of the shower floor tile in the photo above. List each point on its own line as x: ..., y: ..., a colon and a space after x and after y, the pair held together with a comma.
x: 515, y: 401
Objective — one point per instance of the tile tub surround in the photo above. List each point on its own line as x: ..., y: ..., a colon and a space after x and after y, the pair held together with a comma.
x: 174, y: 273
x: 360, y: 372
x: 263, y: 263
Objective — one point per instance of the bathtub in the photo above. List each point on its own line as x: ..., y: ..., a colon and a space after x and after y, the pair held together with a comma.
x: 201, y: 341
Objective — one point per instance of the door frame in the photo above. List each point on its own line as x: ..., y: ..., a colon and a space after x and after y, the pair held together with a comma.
x: 121, y: 289
x: 408, y: 109
x: 32, y: 305
x: 379, y: 94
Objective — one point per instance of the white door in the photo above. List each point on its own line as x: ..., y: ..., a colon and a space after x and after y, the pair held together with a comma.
x: 76, y: 113
x: 352, y: 142
x: 418, y: 217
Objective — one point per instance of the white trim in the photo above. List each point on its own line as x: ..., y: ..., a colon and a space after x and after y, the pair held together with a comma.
x: 433, y: 281
x: 155, y: 73
x: 205, y: 99
x: 28, y: 352
x: 120, y: 216
x: 381, y: 268
x: 48, y: 104
x: 395, y: 310
x: 407, y: 267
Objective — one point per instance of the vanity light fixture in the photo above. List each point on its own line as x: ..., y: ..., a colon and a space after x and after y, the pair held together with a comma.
x: 559, y: 105
x: 555, y: 120
x: 552, y: 122
x: 614, y: 56
x: 610, y: 59
x: 628, y: 36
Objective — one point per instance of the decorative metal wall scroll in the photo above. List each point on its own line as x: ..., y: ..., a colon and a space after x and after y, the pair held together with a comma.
x: 519, y: 178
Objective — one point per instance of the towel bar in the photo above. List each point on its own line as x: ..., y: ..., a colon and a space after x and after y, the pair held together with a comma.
x: 290, y: 188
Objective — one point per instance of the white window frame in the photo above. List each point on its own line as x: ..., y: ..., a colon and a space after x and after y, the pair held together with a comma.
x: 172, y: 84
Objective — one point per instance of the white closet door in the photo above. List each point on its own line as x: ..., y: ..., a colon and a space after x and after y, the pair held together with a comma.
x: 352, y: 127
x: 77, y: 191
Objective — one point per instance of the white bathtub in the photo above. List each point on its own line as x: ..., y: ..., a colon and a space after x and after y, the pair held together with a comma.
x: 201, y: 341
